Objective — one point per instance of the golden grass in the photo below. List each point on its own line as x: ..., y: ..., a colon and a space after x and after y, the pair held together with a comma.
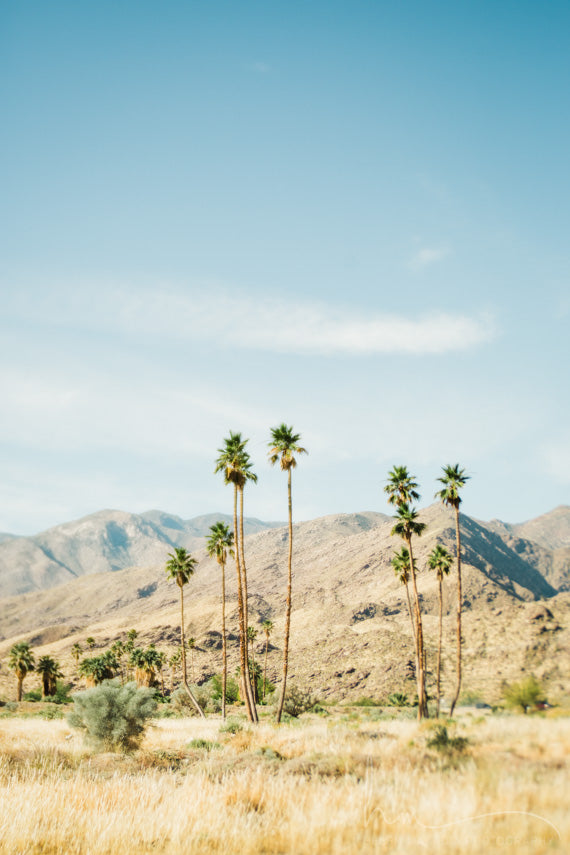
x: 310, y: 788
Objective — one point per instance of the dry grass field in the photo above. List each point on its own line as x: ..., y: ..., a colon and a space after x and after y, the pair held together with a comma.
x: 354, y: 781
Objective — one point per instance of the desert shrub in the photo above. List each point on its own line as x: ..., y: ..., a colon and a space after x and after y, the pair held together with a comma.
x: 470, y: 698
x: 62, y: 693
x: 51, y: 711
x: 206, y: 744
x: 33, y: 696
x: 232, y: 725
x: 443, y: 742
x: 113, y: 717
x: 298, y: 701
x: 524, y: 694
x: 398, y: 699
x: 232, y: 689
x: 367, y: 702
x: 181, y: 703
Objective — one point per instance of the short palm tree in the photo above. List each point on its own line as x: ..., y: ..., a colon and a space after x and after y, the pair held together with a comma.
x: 401, y: 565
x: 453, y: 480
x: 118, y: 649
x: 408, y: 525
x: 267, y: 627
x: 439, y: 560
x: 283, y: 447
x: 220, y: 544
x: 180, y: 568
x: 146, y: 663
x: 173, y: 663
x: 76, y: 652
x: 21, y: 662
x: 235, y: 464
x: 90, y: 642
x: 50, y: 672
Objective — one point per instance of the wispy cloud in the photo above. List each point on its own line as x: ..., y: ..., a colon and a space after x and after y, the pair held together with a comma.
x: 273, y: 325
x: 260, y: 67
x: 428, y: 255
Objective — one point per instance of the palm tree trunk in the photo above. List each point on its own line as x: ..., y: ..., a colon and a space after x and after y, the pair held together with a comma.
x: 224, y: 648
x: 20, y: 686
x: 265, y: 667
x: 459, y: 608
x: 288, y: 606
x: 244, y: 680
x: 439, y: 644
x: 412, y: 620
x: 420, y: 657
x: 189, y: 691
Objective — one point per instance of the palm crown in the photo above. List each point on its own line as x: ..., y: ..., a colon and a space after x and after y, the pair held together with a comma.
x: 453, y: 479
x: 284, y: 445
x: 407, y: 522
x: 401, y: 487
x: 234, y: 461
x: 220, y: 542
x: 21, y: 658
x: 401, y: 565
x: 180, y: 567
x: 440, y: 560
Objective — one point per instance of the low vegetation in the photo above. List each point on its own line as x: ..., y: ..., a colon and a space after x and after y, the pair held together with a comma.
x: 313, y: 786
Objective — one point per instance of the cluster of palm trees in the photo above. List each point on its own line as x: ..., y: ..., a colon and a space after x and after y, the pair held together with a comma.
x: 22, y: 661
x: 402, y: 491
x: 234, y: 462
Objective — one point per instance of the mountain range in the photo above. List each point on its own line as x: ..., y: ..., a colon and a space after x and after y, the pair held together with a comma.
x: 350, y: 628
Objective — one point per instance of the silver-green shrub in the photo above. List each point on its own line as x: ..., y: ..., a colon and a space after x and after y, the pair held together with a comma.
x: 113, y: 717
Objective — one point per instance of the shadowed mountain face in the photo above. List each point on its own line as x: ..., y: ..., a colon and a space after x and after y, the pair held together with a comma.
x: 104, y: 541
x: 350, y: 623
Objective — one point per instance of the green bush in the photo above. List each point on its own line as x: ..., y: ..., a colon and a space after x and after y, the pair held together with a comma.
x: 204, y: 743
x: 443, y: 742
x: 113, y: 717
x: 367, y: 702
x: 232, y: 689
x: 62, y: 693
x: 398, y: 699
x: 232, y: 725
x: 524, y: 694
x: 299, y: 701
x: 33, y: 696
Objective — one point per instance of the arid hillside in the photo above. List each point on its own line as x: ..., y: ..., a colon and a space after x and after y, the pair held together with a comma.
x: 350, y: 627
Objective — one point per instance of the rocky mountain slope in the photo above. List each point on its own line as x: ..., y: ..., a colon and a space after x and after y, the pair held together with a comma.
x: 101, y: 542
x: 350, y: 628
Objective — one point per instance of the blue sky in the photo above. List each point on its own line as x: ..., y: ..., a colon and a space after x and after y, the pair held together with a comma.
x: 351, y: 217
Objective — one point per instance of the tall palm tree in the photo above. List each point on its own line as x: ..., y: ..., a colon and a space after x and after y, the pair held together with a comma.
x: 180, y: 567
x: 234, y: 462
x: 401, y: 565
x: 439, y: 560
x: 283, y: 447
x: 267, y: 627
x: 220, y: 544
x: 21, y: 662
x: 50, y: 672
x: 453, y: 480
x: 407, y: 525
